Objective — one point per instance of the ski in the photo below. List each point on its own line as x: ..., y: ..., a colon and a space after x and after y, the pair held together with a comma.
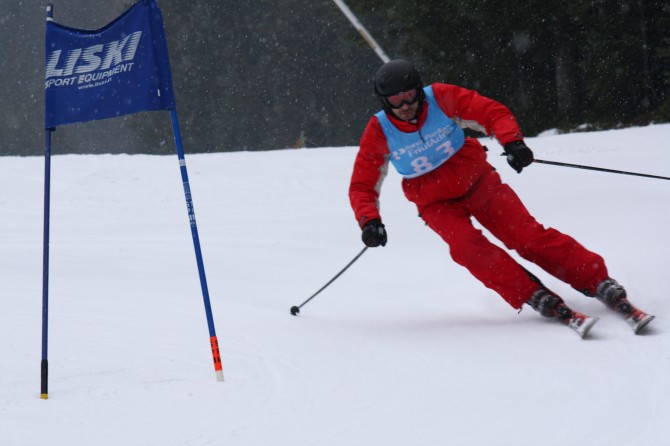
x: 634, y: 317
x: 581, y: 323
x: 637, y: 319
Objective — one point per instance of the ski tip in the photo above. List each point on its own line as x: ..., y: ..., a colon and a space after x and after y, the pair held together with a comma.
x: 643, y: 323
x: 584, y: 329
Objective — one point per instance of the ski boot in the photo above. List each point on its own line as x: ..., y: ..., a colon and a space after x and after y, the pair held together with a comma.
x: 614, y: 296
x: 550, y: 305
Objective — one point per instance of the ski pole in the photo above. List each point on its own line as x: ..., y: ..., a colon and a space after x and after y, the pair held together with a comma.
x: 600, y: 169
x: 296, y: 309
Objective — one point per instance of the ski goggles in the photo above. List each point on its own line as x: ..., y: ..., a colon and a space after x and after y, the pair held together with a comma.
x: 398, y: 100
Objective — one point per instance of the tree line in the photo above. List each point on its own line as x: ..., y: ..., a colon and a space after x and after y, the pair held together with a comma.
x: 271, y: 75
x: 570, y: 64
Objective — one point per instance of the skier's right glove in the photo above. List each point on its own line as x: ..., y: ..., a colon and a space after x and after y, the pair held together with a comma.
x: 374, y: 234
x: 518, y: 155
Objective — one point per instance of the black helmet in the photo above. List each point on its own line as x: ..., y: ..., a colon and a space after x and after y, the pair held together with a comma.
x: 395, y: 77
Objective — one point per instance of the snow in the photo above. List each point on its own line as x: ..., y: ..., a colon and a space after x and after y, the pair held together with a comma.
x: 405, y: 348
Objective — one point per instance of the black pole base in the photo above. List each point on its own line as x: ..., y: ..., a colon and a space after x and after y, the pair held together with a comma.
x: 44, y: 394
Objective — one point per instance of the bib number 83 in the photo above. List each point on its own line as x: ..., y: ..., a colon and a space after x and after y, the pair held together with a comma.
x: 421, y: 165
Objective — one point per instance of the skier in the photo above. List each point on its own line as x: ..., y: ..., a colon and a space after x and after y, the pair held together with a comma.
x: 446, y: 175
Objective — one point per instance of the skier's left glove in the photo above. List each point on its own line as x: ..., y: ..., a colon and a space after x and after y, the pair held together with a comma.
x: 374, y: 234
x: 518, y: 155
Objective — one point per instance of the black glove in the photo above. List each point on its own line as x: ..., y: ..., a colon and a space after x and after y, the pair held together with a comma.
x: 374, y: 234
x: 518, y: 155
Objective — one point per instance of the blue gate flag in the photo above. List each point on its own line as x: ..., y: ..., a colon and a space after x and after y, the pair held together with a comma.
x: 119, y: 69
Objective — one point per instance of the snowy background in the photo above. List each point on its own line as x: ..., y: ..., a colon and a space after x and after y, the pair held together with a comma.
x: 405, y: 348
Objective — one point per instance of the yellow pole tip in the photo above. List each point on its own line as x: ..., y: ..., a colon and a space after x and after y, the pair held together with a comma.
x: 44, y: 396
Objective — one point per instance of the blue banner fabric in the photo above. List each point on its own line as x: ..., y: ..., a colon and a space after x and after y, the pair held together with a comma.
x: 119, y: 69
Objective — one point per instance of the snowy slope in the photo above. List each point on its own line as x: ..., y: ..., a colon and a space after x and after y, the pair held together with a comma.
x: 406, y: 348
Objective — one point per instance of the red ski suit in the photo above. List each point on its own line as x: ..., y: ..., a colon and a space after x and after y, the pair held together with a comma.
x: 467, y: 186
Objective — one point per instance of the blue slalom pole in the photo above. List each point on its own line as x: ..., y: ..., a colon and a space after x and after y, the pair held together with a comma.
x: 196, y: 244
x: 44, y: 393
x: 44, y: 366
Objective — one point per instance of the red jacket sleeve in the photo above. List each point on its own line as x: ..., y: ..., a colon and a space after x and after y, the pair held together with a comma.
x: 370, y: 169
x: 471, y: 110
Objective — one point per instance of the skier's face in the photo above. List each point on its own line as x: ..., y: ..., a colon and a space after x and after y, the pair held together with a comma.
x: 407, y: 112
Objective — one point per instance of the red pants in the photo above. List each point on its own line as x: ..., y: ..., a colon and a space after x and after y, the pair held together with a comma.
x: 496, y: 206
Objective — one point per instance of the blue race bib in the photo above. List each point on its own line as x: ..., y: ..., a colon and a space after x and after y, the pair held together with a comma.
x: 414, y: 154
